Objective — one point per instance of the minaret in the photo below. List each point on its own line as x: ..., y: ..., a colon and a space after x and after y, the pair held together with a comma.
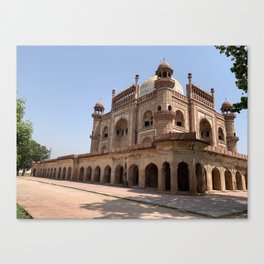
x: 229, y: 116
x: 95, y: 137
x: 164, y: 114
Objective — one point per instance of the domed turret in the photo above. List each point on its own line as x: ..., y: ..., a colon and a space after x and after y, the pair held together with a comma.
x: 99, y: 108
x: 164, y: 70
x: 226, y: 107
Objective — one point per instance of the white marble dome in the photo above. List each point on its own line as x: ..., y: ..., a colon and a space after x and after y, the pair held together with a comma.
x: 148, y: 86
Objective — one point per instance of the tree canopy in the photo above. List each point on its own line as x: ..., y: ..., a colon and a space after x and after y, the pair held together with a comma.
x: 238, y: 54
x: 28, y: 150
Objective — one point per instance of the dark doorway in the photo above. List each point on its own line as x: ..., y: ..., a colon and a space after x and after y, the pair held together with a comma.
x: 166, y: 173
x: 183, y: 177
x: 151, y: 176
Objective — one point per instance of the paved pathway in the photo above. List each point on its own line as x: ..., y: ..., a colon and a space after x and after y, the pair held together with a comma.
x: 213, y: 205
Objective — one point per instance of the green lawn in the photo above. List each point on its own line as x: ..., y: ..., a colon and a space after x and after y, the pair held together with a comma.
x: 22, y: 213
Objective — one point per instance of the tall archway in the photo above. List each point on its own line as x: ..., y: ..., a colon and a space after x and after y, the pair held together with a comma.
x: 59, y: 173
x: 206, y: 131
x: 34, y: 172
x: 105, y: 132
x: 51, y: 173
x: 179, y: 119
x: 166, y: 175
x: 200, y: 179
x: 228, y: 180
x: 63, y: 174
x: 69, y: 173
x: 121, y: 132
x: 133, y: 177
x: 183, y: 177
x: 239, y: 181
x: 81, y: 174
x: 54, y: 173
x: 97, y: 174
x: 147, y: 119
x: 107, y: 174
x: 151, y: 176
x: 216, y: 179
x: 88, y: 174
x: 119, y: 175
x: 220, y: 134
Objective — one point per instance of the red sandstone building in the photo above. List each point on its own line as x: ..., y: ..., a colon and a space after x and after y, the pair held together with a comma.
x: 156, y: 137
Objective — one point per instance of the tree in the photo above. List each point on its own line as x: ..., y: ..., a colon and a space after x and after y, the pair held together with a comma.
x: 28, y: 150
x: 24, y: 132
x: 238, y: 54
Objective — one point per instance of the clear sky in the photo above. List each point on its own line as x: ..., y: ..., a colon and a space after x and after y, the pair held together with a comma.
x: 61, y: 85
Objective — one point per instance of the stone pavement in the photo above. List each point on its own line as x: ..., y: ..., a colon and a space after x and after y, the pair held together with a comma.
x: 214, y: 205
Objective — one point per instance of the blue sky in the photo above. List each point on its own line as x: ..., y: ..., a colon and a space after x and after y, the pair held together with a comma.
x: 61, y: 85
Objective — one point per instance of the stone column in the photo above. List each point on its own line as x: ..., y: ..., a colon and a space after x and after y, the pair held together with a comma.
x: 161, y: 179
x: 222, y: 179
x: 141, y: 176
x: 234, y: 186
x: 112, y: 179
x: 209, y: 178
x: 243, y: 182
x: 93, y: 174
x: 102, y: 177
x: 174, y: 177
x: 192, y: 177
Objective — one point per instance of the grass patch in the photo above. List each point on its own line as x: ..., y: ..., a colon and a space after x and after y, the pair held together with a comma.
x: 22, y: 213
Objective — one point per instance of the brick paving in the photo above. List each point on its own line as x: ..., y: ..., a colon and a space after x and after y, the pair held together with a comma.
x: 214, y: 205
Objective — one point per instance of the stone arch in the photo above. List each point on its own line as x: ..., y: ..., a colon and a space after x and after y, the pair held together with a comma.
x: 88, y: 176
x: 105, y: 132
x: 216, y: 180
x: 147, y: 119
x: 159, y: 108
x: 228, y: 180
x: 119, y: 175
x: 69, y: 173
x: 81, y: 174
x: 183, y: 177
x: 54, y: 173
x: 146, y: 140
x: 121, y: 128
x: 221, y: 136
x: 107, y: 174
x: 63, y: 174
x: 151, y: 176
x: 239, y: 181
x: 59, y: 173
x: 200, y: 178
x: 104, y: 149
x: 206, y: 131
x: 97, y: 174
x: 34, y: 172
x: 166, y: 176
x: 179, y: 119
x: 133, y: 176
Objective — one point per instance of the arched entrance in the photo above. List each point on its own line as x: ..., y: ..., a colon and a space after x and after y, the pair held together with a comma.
x: 69, y: 174
x: 88, y: 174
x: 133, y: 175
x: 239, y: 181
x: 228, y: 180
x: 51, y: 173
x: 216, y: 179
x: 81, y: 174
x: 200, y: 179
x: 206, y: 131
x: 166, y: 175
x: 107, y: 174
x: 151, y: 176
x: 119, y: 175
x: 183, y: 177
x: 59, y: 174
x: 34, y: 172
x: 54, y: 174
x: 63, y: 173
x: 97, y: 174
